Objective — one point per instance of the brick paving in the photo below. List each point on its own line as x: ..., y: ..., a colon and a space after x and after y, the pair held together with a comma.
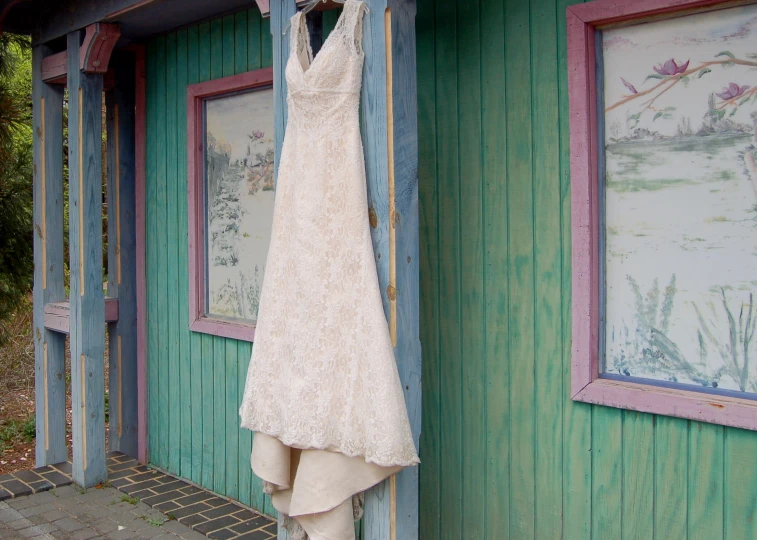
x: 137, y: 503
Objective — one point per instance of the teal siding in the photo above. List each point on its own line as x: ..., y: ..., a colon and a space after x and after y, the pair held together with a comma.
x: 505, y: 453
x: 195, y: 381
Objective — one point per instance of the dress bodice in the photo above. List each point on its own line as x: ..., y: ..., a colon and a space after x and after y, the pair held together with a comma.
x: 328, y: 85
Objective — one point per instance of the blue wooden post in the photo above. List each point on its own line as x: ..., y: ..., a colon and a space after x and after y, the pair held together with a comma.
x: 49, y: 347
x: 87, y: 331
x: 122, y: 257
x: 389, y: 131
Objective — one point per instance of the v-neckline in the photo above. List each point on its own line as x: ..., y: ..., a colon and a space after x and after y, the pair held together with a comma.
x: 308, y: 49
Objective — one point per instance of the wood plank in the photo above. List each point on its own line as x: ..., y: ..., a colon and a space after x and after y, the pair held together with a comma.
x: 266, y: 43
x: 219, y: 411
x: 244, y: 352
x: 740, y: 484
x: 449, y: 270
x: 229, y: 61
x: 577, y: 421
x: 405, y: 251
x: 151, y: 250
x: 195, y: 340
x: 161, y: 458
x: 496, y: 277
x: 430, y: 449
x: 204, y: 51
x: 706, y: 482
x: 638, y: 476
x: 241, y: 45
x: 671, y: 479
x: 49, y: 346
x: 521, y: 263
x: 173, y: 411
x: 547, y: 327
x: 184, y: 350
x: 254, y: 45
x: 474, y: 369
x: 87, y: 336
x: 57, y: 314
x: 122, y: 257
x: 208, y: 416
x: 607, y: 473
x: 231, y: 413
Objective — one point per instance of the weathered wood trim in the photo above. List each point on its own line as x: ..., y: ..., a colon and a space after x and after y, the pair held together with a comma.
x: 87, y: 338
x: 99, y: 41
x: 57, y: 315
x: 582, y: 21
x: 122, y: 267
x: 49, y: 346
x: 94, y: 54
x: 196, y: 95
x: 140, y: 172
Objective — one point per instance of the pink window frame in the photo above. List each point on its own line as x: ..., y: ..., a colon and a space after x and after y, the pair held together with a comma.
x: 196, y: 95
x: 586, y: 386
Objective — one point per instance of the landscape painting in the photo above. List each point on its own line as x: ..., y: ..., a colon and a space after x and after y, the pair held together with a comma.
x: 680, y: 200
x: 239, y: 193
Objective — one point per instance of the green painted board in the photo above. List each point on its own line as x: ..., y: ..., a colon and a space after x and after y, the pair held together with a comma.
x: 607, y: 473
x: 173, y: 413
x: 671, y: 453
x: 638, y: 468
x: 706, y: 482
x: 448, y: 250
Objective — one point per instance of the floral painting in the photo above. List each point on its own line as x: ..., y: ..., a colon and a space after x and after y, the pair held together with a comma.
x: 680, y: 200
x: 239, y: 191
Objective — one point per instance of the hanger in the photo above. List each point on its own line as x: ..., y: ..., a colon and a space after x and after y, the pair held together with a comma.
x: 311, y: 5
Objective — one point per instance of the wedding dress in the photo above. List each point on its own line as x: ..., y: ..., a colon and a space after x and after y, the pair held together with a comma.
x: 323, y: 394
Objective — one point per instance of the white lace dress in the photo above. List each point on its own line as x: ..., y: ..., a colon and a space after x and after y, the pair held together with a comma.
x: 323, y: 394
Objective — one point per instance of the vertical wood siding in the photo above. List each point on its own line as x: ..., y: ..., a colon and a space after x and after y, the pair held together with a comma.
x: 195, y: 381
x: 505, y: 453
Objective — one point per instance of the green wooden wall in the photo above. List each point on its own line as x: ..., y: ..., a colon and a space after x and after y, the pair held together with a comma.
x: 505, y: 452
x: 195, y: 381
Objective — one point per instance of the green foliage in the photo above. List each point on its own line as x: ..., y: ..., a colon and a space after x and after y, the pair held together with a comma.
x: 16, y: 171
x: 16, y: 431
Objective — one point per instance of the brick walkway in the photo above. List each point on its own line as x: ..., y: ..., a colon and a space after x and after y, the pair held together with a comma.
x: 137, y: 503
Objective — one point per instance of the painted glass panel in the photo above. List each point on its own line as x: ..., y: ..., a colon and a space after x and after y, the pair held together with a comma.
x: 679, y: 180
x: 239, y: 192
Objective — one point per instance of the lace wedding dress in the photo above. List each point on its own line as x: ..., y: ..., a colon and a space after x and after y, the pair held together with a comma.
x: 323, y: 394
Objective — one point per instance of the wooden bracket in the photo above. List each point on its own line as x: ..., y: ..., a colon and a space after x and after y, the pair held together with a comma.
x: 94, y: 54
x: 57, y: 314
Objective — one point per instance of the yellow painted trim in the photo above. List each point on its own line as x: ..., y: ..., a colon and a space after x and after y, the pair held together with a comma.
x: 81, y: 198
x: 390, y: 169
x: 43, y: 194
x: 120, y: 390
x: 83, y: 369
x: 117, y: 199
x: 47, y: 397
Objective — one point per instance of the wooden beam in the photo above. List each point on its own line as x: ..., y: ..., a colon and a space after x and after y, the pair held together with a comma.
x: 49, y: 347
x: 87, y: 336
x: 94, y: 54
x: 122, y: 257
x: 58, y: 314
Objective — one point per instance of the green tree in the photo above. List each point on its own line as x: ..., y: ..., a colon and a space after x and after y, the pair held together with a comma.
x: 16, y: 171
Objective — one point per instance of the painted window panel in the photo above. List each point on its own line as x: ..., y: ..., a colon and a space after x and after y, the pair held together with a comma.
x: 239, y: 192
x: 230, y: 140
x: 663, y: 196
x: 680, y: 216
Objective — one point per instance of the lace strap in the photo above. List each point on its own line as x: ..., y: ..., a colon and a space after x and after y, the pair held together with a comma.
x: 352, y: 21
x: 298, y: 40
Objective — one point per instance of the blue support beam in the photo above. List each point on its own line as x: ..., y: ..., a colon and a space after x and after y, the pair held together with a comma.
x: 49, y: 346
x: 122, y: 257
x: 87, y: 301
